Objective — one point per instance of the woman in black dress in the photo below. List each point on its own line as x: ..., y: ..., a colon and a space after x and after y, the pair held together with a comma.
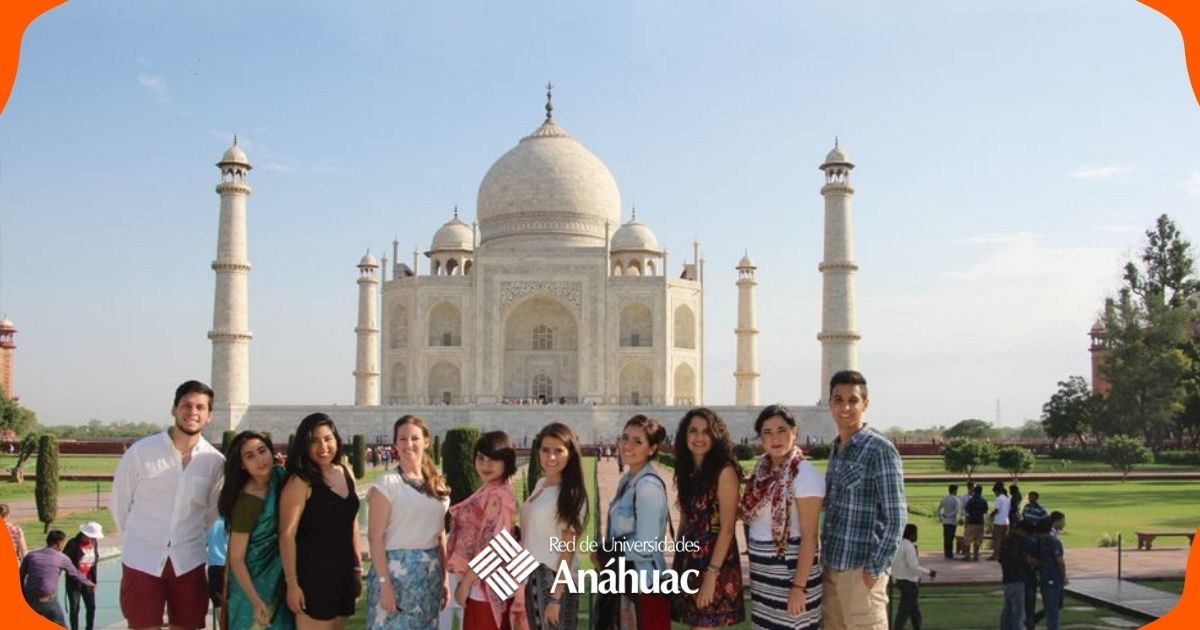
x: 318, y: 528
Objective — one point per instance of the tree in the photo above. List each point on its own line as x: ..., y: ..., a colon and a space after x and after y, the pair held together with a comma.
x: 535, y: 469
x: 1071, y: 411
x: 1124, y: 452
x: 45, y: 490
x: 25, y: 450
x: 1016, y: 460
x: 965, y: 455
x: 458, y: 461
x: 437, y: 450
x: 1150, y: 340
x: 14, y: 417
x: 970, y: 428
x: 226, y: 439
x: 358, y: 455
x: 1032, y: 430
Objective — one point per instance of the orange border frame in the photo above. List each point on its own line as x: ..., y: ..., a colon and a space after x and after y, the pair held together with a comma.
x: 16, y: 15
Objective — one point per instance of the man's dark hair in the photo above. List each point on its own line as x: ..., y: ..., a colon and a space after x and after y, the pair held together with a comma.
x: 1056, y: 516
x: 1034, y: 496
x: 953, y: 488
x: 54, y: 537
x: 848, y: 377
x: 192, y: 387
x: 999, y: 488
x: 910, y: 532
x: 978, y: 491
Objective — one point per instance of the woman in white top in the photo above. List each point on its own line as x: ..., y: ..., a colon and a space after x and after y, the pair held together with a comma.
x: 557, y: 508
x: 407, y: 582
x: 781, y: 505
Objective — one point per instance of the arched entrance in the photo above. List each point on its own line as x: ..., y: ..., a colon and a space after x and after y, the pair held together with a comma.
x: 541, y: 352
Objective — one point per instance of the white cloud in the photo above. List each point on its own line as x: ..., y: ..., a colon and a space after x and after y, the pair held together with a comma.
x: 156, y: 86
x: 1117, y: 229
x: 1191, y: 185
x: 1002, y: 238
x: 1102, y: 173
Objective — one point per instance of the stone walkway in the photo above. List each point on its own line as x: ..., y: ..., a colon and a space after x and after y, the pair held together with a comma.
x: 1124, y: 596
x: 1082, y: 562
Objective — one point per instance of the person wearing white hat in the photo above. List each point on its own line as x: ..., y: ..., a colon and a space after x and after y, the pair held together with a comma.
x: 84, y: 552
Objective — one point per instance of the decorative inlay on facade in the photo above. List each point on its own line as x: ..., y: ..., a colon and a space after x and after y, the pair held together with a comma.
x: 569, y: 292
x: 523, y: 224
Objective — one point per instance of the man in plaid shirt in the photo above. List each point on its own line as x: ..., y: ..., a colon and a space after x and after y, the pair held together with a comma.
x: 865, y: 513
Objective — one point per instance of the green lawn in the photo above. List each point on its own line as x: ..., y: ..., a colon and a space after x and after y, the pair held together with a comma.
x: 1092, y: 508
x: 15, y: 492
x: 105, y: 464
x: 991, y: 473
x: 69, y: 524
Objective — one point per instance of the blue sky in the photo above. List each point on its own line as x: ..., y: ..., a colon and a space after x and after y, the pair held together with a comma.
x: 1009, y: 158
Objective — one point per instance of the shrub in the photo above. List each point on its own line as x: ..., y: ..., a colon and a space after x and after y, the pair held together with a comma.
x: 535, y: 470
x: 743, y: 452
x: 45, y: 491
x: 667, y: 459
x: 1123, y: 453
x: 437, y: 450
x: 226, y: 438
x: 965, y: 455
x: 458, y: 461
x: 818, y: 451
x: 1016, y: 460
x: 1178, y: 458
x: 358, y: 455
x: 1107, y: 540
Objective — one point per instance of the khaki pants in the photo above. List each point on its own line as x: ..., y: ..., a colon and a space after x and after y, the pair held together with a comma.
x: 972, y: 540
x: 847, y: 603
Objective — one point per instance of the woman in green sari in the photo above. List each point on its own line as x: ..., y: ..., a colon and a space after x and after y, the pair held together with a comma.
x: 249, y: 504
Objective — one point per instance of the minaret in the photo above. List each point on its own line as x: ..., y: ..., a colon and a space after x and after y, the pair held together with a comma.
x: 839, y: 335
x: 366, y: 366
x: 230, y: 333
x: 746, y: 376
x: 1100, y: 384
x: 7, y: 331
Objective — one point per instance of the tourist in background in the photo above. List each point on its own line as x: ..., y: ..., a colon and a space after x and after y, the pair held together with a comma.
x: 1033, y: 510
x: 217, y: 539
x: 176, y: 467
x: 948, y: 512
x: 39, y: 577
x: 1053, y: 573
x: 782, y: 506
x: 474, y: 522
x: 557, y: 508
x: 249, y: 503
x: 1000, y: 510
x: 707, y: 478
x: 15, y: 532
x: 84, y: 552
x: 318, y: 528
x: 906, y: 576
x: 638, y: 514
x: 975, y: 514
x: 865, y: 512
x: 406, y: 509
x: 1016, y: 571
x: 1014, y: 506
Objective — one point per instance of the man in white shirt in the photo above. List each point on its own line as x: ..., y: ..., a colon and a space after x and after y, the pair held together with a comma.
x: 948, y: 512
x: 906, y: 575
x: 164, y: 497
x: 1000, y: 510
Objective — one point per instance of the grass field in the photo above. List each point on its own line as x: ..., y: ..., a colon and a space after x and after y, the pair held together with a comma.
x: 69, y: 524
x: 991, y: 473
x: 1092, y: 508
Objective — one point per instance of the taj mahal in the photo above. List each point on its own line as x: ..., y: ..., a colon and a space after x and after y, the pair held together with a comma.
x: 547, y: 307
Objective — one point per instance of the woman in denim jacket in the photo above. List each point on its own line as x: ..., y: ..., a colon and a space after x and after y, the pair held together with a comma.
x: 637, y: 516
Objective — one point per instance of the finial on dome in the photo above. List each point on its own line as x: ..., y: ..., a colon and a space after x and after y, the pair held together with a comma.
x: 634, y: 210
x: 549, y: 104
x: 835, y: 142
x: 455, y: 211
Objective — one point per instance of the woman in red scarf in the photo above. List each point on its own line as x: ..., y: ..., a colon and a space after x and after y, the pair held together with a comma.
x: 781, y: 506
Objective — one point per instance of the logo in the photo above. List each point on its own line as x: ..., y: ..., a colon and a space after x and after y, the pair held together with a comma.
x: 503, y: 564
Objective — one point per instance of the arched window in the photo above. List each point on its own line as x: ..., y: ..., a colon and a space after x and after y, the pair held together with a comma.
x: 543, y: 337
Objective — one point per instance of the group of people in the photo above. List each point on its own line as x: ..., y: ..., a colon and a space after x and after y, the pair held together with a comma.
x: 971, y: 512
x: 293, y: 553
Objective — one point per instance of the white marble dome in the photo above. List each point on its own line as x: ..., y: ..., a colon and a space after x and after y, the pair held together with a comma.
x: 368, y: 261
x: 454, y: 235
x: 746, y: 262
x: 234, y: 155
x: 548, y: 188
x: 837, y: 156
x: 634, y: 235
